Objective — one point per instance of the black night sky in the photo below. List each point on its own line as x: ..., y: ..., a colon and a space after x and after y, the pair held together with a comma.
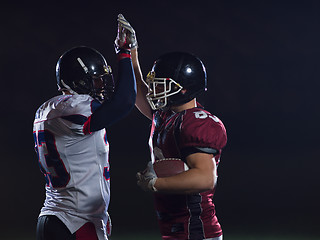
x: 262, y: 61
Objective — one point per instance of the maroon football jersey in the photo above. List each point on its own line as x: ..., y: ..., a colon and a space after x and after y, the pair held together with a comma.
x: 174, y: 135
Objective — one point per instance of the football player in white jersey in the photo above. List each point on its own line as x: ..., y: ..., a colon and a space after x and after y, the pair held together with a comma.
x: 182, y: 132
x: 71, y: 142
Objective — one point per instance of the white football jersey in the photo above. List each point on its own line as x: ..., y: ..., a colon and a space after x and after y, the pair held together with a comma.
x: 75, y: 163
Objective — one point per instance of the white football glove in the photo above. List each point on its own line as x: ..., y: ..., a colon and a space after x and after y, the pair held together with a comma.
x: 126, y: 37
x: 147, y: 178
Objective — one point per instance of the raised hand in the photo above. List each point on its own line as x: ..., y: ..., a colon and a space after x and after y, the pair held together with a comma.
x: 126, y: 36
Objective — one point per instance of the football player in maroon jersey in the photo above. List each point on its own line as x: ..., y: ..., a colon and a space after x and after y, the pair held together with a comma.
x: 181, y: 129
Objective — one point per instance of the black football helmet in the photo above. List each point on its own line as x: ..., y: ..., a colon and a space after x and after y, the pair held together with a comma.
x: 83, y: 70
x: 175, y: 79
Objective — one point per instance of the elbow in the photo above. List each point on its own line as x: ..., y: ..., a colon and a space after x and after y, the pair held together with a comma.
x: 209, y: 184
x: 208, y: 187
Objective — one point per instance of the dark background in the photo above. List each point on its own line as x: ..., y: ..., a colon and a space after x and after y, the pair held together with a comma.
x: 262, y: 62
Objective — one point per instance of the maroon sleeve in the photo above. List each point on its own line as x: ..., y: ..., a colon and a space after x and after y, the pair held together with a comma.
x: 201, y: 129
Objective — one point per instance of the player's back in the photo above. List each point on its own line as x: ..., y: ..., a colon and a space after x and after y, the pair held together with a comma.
x: 72, y: 161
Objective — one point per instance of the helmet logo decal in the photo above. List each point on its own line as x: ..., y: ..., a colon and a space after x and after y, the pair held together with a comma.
x: 83, y: 65
x: 151, y: 75
x: 107, y: 69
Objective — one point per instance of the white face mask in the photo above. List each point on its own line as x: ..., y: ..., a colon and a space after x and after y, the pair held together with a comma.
x: 159, y: 89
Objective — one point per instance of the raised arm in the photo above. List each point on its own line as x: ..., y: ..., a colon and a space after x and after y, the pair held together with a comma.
x: 127, y: 37
x: 142, y: 89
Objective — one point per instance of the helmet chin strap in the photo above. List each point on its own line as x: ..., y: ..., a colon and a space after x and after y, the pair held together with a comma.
x: 66, y: 87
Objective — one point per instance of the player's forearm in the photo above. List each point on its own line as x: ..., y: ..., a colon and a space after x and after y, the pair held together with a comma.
x: 122, y: 102
x: 126, y: 91
x: 141, y: 87
x: 125, y: 94
x: 141, y: 101
x: 191, y: 181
